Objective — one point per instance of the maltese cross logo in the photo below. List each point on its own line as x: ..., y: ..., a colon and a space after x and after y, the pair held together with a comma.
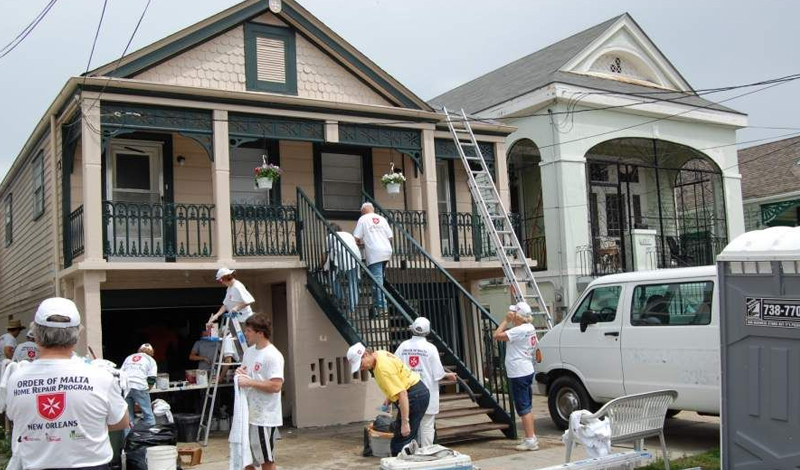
x: 136, y: 358
x: 376, y: 220
x: 51, y: 405
x: 413, y: 361
x: 32, y: 354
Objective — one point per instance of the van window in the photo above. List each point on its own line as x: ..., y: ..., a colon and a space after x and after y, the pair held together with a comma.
x: 602, y: 301
x: 686, y: 303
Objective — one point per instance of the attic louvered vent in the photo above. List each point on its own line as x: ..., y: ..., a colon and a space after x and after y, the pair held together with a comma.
x: 614, y: 65
x: 270, y: 59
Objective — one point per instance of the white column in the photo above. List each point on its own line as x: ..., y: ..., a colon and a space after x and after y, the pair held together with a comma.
x: 332, y: 132
x: 733, y: 204
x: 430, y: 204
x: 92, y: 156
x: 87, y: 298
x: 501, y: 174
x: 220, y: 178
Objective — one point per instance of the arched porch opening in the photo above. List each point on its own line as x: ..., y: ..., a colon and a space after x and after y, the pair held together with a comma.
x: 525, y: 186
x: 653, y: 204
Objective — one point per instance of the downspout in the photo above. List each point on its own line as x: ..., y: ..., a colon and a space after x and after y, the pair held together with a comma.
x: 54, y: 213
x: 556, y: 154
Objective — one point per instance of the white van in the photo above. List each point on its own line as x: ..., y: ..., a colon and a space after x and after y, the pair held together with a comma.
x: 632, y: 333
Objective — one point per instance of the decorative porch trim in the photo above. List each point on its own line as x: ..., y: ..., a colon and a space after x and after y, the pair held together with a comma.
x: 405, y: 141
x: 119, y: 119
x: 770, y: 212
x: 446, y: 150
x: 242, y: 127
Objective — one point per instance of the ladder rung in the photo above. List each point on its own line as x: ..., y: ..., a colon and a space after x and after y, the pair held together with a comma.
x: 467, y: 144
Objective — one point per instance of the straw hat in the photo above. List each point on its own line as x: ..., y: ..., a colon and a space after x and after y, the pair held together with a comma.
x: 15, y: 325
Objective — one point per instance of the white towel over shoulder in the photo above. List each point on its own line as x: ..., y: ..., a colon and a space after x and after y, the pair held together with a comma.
x: 595, y: 434
x: 239, y: 438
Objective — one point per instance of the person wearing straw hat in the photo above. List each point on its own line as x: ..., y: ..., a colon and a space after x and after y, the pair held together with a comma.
x: 521, y: 339
x: 27, y: 351
x: 400, y: 385
x: 423, y: 358
x: 142, y: 371
x: 8, y: 341
x: 63, y: 409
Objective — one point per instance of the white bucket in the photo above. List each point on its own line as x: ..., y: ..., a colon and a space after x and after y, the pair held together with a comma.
x: 162, y: 381
x: 162, y: 458
x: 264, y: 183
x: 202, y: 377
x: 224, y: 423
x: 393, y: 188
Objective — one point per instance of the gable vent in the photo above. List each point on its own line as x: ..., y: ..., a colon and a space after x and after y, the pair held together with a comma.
x: 271, y: 60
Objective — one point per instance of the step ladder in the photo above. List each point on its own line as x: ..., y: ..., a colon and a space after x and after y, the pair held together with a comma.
x: 239, y: 341
x: 495, y: 220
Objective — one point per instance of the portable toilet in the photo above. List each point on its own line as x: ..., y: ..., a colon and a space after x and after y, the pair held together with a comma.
x: 759, y: 285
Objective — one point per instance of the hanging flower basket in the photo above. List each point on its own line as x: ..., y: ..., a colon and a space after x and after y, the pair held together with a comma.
x: 266, y: 174
x: 392, y: 182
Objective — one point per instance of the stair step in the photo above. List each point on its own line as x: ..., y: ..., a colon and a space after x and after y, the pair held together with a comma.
x: 452, y: 431
x: 453, y: 397
x: 463, y: 412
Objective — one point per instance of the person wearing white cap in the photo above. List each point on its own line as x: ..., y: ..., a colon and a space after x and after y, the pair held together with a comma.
x: 521, y: 338
x: 400, y: 385
x: 27, y: 351
x: 63, y: 409
x: 237, y: 298
x: 142, y: 370
x: 423, y: 358
x: 373, y: 231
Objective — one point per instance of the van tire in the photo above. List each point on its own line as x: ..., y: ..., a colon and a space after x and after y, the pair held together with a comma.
x: 567, y: 394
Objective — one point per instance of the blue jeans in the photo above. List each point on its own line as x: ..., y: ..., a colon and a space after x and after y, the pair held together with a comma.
x: 377, y: 269
x: 522, y: 393
x: 142, y: 398
x: 418, y: 398
x: 350, y: 277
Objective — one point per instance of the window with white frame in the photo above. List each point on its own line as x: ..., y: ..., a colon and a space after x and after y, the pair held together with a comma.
x: 38, y: 185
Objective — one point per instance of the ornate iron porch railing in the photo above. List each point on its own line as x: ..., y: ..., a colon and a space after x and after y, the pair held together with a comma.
x: 259, y: 230
x: 157, y: 230
x: 75, y: 234
x: 413, y: 222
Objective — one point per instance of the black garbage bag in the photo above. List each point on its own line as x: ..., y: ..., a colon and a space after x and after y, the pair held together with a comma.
x: 149, y: 436
x: 383, y: 423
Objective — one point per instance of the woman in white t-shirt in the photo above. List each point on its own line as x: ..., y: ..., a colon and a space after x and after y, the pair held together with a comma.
x: 521, y: 339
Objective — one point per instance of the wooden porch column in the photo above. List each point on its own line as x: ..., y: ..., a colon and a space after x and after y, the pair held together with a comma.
x: 501, y: 174
x: 221, y: 182
x: 87, y: 299
x: 91, y: 170
x: 430, y: 204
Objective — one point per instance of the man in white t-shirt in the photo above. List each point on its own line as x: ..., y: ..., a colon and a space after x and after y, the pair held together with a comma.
x: 142, y: 370
x: 237, y: 302
x: 63, y: 409
x: 373, y: 231
x: 8, y: 341
x: 423, y: 358
x: 521, y: 340
x: 27, y: 351
x: 341, y: 262
x: 261, y: 376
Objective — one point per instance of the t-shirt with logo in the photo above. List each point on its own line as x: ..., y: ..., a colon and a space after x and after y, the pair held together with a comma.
x: 519, y: 350
x: 139, y: 367
x: 337, y: 252
x: 7, y: 339
x: 27, y: 351
x: 423, y: 358
x: 61, y: 409
x: 376, y: 234
x: 392, y: 376
x: 236, y: 294
x: 264, y: 364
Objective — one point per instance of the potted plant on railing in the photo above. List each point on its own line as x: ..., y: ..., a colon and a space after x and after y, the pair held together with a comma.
x: 266, y: 174
x: 392, y: 181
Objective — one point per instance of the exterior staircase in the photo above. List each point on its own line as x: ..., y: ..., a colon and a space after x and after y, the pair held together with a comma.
x: 416, y: 285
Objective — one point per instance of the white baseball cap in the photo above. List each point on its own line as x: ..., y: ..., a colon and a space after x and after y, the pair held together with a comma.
x: 222, y: 272
x: 521, y: 308
x: 30, y: 334
x: 354, y: 355
x: 421, y: 326
x: 57, y: 306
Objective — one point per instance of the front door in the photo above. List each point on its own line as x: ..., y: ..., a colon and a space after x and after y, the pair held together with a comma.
x: 136, y: 215
x: 596, y: 353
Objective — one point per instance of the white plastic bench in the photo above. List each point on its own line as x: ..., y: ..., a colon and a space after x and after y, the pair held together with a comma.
x: 634, y: 418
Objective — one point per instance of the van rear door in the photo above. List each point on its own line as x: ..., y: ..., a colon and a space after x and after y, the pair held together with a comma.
x: 671, y: 340
x: 595, y: 353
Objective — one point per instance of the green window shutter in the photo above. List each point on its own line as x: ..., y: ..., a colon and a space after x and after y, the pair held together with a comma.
x: 270, y: 59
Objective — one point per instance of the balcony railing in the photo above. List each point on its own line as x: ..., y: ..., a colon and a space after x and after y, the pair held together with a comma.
x: 413, y: 222
x: 259, y: 230
x: 464, y: 236
x: 157, y: 230
x: 75, y: 233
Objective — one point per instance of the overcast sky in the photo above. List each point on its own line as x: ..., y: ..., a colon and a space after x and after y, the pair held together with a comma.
x: 428, y: 45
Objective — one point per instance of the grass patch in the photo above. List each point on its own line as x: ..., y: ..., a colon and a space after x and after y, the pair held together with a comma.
x: 707, y: 461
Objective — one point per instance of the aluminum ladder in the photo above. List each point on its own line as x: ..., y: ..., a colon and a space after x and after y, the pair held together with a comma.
x: 235, y: 327
x: 495, y: 220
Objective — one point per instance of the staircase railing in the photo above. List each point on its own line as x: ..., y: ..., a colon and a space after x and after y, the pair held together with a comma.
x: 461, y: 324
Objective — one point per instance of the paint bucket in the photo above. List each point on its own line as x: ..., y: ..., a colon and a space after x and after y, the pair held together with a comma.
x: 202, y: 377
x: 162, y: 381
x: 162, y: 458
x: 191, y: 376
x: 224, y: 423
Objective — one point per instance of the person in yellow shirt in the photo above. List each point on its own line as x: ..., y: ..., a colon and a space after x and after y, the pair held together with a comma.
x: 400, y: 385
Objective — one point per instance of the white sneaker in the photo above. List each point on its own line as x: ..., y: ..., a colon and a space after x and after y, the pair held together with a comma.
x: 528, y: 444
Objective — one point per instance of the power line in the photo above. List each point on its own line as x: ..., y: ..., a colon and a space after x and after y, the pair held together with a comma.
x: 27, y: 30
x: 94, y: 43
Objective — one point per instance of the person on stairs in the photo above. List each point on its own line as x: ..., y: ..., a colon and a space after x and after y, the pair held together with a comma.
x: 261, y: 376
x: 373, y: 231
x: 341, y: 262
x: 400, y: 385
x: 423, y: 358
x: 27, y: 351
x: 142, y: 370
x: 521, y: 338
